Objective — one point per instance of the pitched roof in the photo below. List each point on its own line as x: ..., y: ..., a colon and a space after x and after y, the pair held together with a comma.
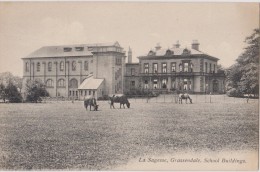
x: 72, y: 50
x: 90, y: 83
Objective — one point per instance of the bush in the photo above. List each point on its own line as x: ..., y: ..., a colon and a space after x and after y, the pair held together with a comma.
x: 234, y: 93
x: 12, y: 94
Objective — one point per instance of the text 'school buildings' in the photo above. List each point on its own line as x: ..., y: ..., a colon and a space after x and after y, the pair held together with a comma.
x: 100, y: 69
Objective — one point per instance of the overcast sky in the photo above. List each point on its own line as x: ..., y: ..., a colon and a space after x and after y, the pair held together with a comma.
x: 220, y: 28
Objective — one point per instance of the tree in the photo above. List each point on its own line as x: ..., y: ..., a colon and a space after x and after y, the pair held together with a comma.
x: 12, y: 93
x: 35, y: 90
x: 243, y: 76
x: 8, y: 77
x: 2, y: 92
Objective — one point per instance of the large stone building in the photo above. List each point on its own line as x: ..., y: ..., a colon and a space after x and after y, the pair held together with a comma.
x: 64, y: 68
x: 175, y: 69
x: 100, y: 69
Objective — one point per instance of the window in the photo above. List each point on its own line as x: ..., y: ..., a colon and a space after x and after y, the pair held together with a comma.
x: 89, y: 92
x: 86, y: 65
x: 146, y: 84
x: 173, y: 68
x: 67, y: 49
x: 191, y: 67
x: 132, y: 83
x: 73, y: 65
x: 185, y: 84
x: 61, y: 83
x: 164, y: 83
x: 214, y: 70
x: 73, y: 83
x: 49, y: 66
x: 155, y: 83
x: 180, y: 66
x: 186, y: 67
x: 27, y: 67
x: 206, y: 67
x: 38, y: 67
x: 146, y: 68
x: 118, y: 61
x: 61, y: 66
x: 132, y: 71
x: 49, y: 83
x: 210, y: 70
x: 155, y: 68
x: 164, y: 68
x: 79, y: 48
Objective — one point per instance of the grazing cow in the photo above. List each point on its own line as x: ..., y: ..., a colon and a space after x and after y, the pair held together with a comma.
x: 122, y: 99
x: 91, y: 102
x: 184, y: 96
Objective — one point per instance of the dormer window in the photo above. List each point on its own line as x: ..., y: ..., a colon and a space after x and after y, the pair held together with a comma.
x: 186, y: 51
x: 151, y: 53
x: 79, y: 48
x: 169, y: 53
x: 67, y: 49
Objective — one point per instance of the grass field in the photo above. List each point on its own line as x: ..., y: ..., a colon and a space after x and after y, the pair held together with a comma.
x: 63, y: 135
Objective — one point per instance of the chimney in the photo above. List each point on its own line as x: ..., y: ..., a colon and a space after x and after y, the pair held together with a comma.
x: 129, y: 55
x: 195, y: 45
x: 158, y: 47
x: 177, y: 45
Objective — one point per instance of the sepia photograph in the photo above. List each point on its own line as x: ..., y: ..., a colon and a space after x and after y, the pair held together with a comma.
x: 129, y: 86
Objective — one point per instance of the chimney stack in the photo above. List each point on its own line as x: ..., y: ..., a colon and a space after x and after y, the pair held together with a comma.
x: 195, y: 45
x: 177, y: 45
x: 129, y: 55
x: 158, y: 47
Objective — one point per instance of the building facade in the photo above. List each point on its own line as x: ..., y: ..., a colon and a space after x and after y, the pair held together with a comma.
x: 64, y: 68
x: 175, y: 69
x: 100, y: 69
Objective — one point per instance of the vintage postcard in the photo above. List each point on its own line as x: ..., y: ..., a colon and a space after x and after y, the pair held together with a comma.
x: 129, y: 86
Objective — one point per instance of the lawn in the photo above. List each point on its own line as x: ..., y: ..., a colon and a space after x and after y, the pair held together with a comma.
x: 63, y: 135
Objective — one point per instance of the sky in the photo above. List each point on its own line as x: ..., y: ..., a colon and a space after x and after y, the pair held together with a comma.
x: 220, y: 28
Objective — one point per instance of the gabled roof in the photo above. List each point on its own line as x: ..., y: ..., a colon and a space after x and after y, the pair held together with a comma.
x: 90, y: 83
x: 58, y: 51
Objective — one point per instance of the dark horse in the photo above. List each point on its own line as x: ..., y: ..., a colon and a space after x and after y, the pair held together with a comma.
x: 122, y: 99
x: 184, y: 96
x: 91, y: 102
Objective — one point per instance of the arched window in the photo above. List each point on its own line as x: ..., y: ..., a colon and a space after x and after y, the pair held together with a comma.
x: 61, y: 83
x: 86, y: 65
x: 73, y: 65
x: 27, y: 66
x: 49, y: 83
x: 38, y: 66
x: 61, y: 66
x: 49, y: 66
x: 73, y: 83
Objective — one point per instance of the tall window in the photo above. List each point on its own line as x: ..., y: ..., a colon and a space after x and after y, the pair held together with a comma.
x: 49, y: 83
x: 146, y: 84
x: 38, y: 66
x: 155, y: 83
x: 132, y: 71
x: 214, y: 70
x: 27, y: 66
x: 164, y: 83
x: 185, y: 84
x: 210, y: 70
x: 164, y: 68
x: 61, y: 83
x: 61, y: 66
x: 206, y: 67
x: 73, y: 65
x: 173, y: 68
x: 180, y: 66
x: 86, y: 65
x: 191, y: 67
x: 132, y: 84
x: 49, y: 66
x: 155, y: 68
x: 146, y: 68
x: 186, y: 67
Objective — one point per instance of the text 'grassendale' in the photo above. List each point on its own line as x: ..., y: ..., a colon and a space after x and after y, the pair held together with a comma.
x: 193, y: 160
